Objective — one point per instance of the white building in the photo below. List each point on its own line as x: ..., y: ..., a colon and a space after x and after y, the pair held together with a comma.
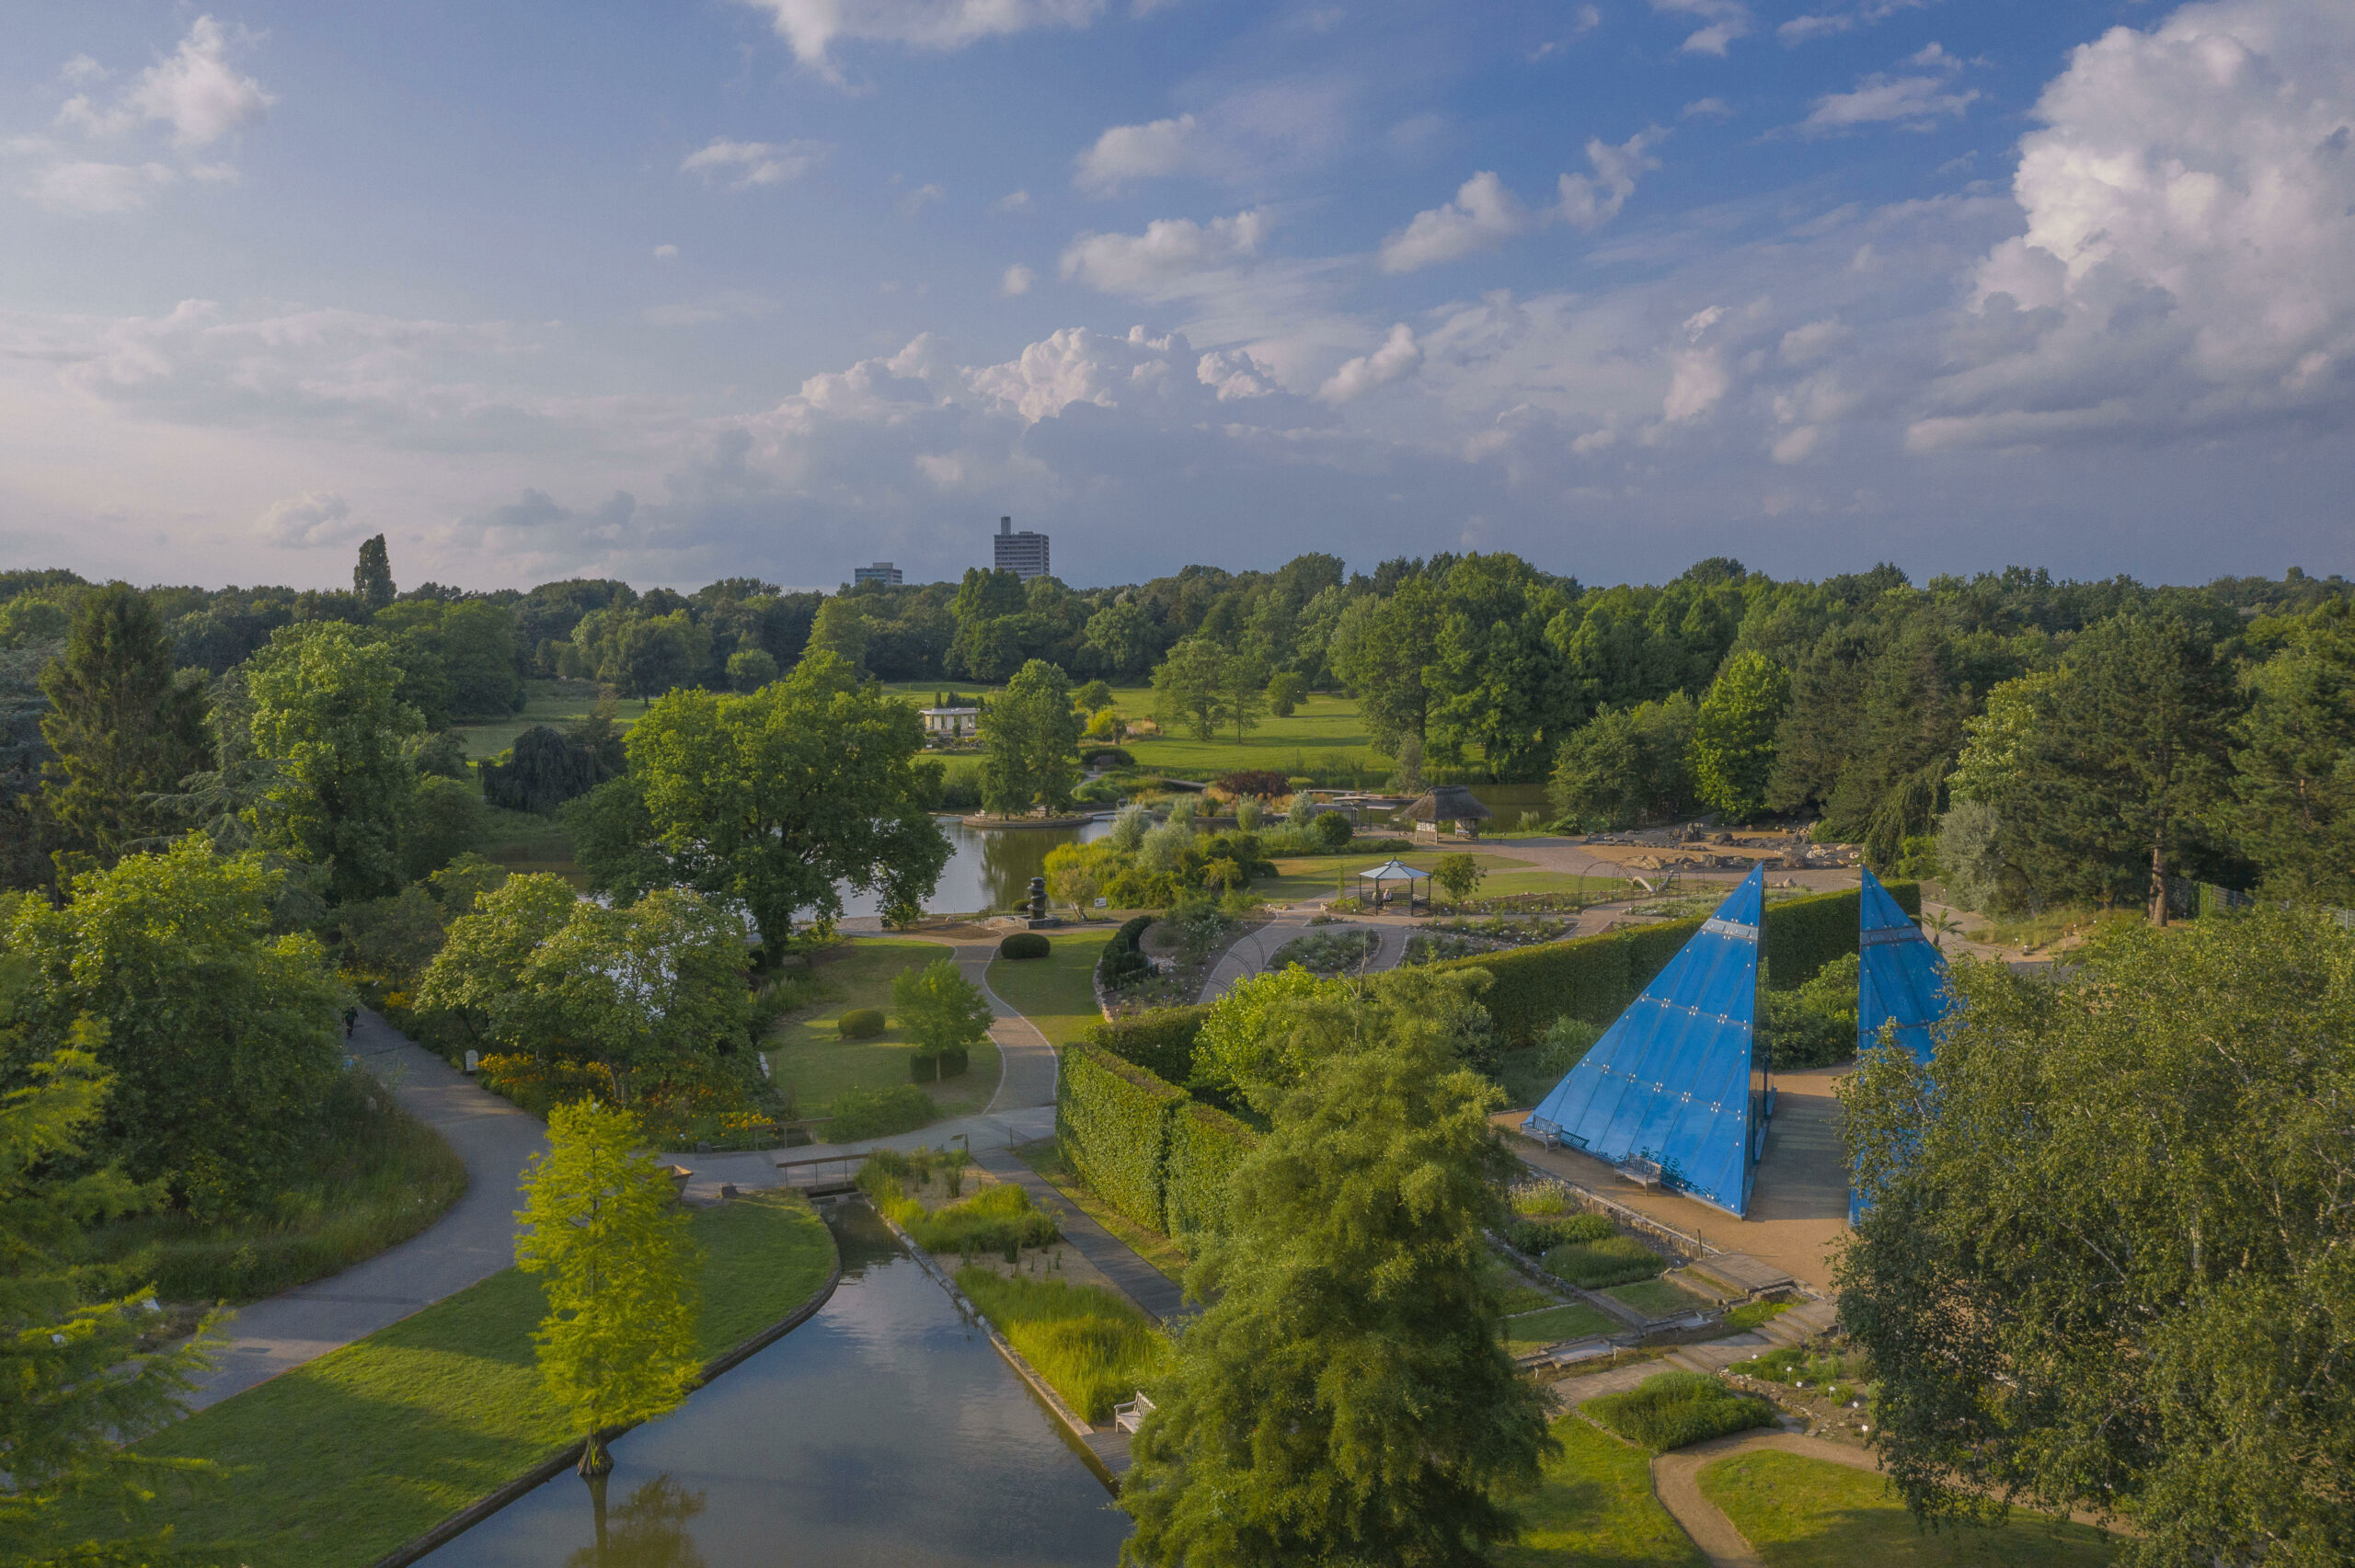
x: 950, y: 724
x: 1023, y: 554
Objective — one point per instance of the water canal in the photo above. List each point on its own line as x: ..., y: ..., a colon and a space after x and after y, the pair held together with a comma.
x: 884, y: 1431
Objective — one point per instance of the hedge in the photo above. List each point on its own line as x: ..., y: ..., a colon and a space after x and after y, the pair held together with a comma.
x: 1205, y: 1147
x: 1595, y: 977
x: 1121, y: 960
x: 1112, y: 1119
x: 1160, y: 1041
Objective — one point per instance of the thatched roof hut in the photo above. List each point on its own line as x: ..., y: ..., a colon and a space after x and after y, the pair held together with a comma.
x: 1449, y: 803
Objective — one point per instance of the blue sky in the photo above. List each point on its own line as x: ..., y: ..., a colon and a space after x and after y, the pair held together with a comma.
x: 779, y: 286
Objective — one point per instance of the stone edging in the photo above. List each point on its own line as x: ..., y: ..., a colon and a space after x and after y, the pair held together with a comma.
x: 1073, y: 1421
x: 568, y: 1456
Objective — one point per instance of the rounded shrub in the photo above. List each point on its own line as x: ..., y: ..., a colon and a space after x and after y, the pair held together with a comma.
x: 1025, y: 945
x: 1334, y: 830
x: 861, y: 1024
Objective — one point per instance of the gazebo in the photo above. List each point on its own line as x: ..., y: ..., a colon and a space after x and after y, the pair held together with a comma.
x: 1389, y: 875
x: 1450, y: 803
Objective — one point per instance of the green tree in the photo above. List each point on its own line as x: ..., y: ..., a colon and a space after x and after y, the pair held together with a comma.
x: 477, y: 971
x: 2106, y: 1263
x: 1028, y: 741
x: 613, y: 838
x: 372, y: 578
x: 1345, y: 1398
x: 751, y: 669
x: 1245, y: 1052
x: 1496, y: 680
x: 632, y: 988
x: 775, y: 798
x: 1092, y: 697
x: 841, y: 629
x: 618, y: 1343
x: 1286, y: 691
x: 121, y: 726
x: 2113, y: 789
x: 219, y: 1037
x: 1626, y: 765
x: 1189, y: 687
x: 325, y: 709
x: 80, y: 1381
x: 1733, y: 734
x: 1243, y: 679
x: 1381, y: 649
x: 1120, y: 640
x: 986, y: 647
x: 939, y: 1009
x: 1461, y: 875
x: 2294, y: 779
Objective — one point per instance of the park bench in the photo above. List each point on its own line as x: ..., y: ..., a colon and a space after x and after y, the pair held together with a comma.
x: 1130, y: 1416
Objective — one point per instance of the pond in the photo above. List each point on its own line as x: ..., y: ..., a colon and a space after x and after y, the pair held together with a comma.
x: 988, y: 869
x: 885, y: 1430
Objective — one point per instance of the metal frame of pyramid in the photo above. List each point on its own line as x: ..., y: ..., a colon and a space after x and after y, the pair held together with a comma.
x: 1676, y: 1082
x: 1901, y: 982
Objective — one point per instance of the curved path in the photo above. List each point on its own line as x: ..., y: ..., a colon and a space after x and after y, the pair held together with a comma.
x: 1676, y: 1480
x: 1253, y: 953
x: 474, y: 1240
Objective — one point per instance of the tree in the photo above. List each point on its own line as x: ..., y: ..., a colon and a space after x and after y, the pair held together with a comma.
x: 1460, y: 873
x: 632, y: 988
x: 618, y: 1343
x: 1189, y: 687
x: 1092, y: 697
x: 1242, y: 680
x: 219, y: 1037
x: 614, y: 841
x: 751, y: 669
x: 1028, y: 738
x: 1380, y: 649
x: 2106, y: 1262
x: 80, y: 1381
x: 841, y: 629
x: 372, y: 578
x: 1733, y: 734
x: 986, y: 647
x: 1344, y: 1397
x: 1243, y: 1054
x: 1496, y: 680
x: 939, y: 1009
x: 1286, y: 691
x: 122, y: 728
x: 775, y: 798
x: 325, y: 709
x: 1120, y: 640
x: 478, y: 970
x: 2294, y: 780
x: 544, y: 767
x: 2113, y: 789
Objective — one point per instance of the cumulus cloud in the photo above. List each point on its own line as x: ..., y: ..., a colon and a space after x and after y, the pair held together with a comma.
x: 1018, y: 280
x: 2189, y: 253
x: 1588, y: 202
x: 1126, y: 154
x: 1174, y: 258
x: 1483, y: 216
x: 313, y: 518
x: 192, y: 100
x: 1268, y: 127
x: 744, y: 166
x: 1701, y: 379
x: 1398, y: 356
x: 810, y: 28
x: 1722, y: 22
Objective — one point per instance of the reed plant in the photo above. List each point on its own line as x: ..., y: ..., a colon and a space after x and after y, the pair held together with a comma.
x: 1095, y: 1347
x: 1674, y: 1409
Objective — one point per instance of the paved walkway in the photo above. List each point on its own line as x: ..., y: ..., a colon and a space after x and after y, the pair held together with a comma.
x: 1253, y: 955
x: 1139, y: 1280
x: 474, y: 1240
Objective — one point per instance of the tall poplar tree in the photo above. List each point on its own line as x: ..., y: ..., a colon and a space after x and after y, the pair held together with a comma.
x: 372, y: 578
x: 1733, y: 736
x: 123, y: 727
x: 2295, y: 782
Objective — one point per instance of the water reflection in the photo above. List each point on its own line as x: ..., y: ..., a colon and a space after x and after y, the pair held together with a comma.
x: 883, y: 1431
x: 988, y: 870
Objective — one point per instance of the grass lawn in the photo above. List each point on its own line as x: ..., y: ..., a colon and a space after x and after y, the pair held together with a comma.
x: 557, y: 703
x: 1057, y: 993
x: 1803, y: 1513
x: 523, y: 840
x: 1656, y: 1298
x: 813, y: 1063
x: 346, y: 1457
x: 1046, y: 1157
x: 1324, y: 736
x: 1595, y: 1509
x: 1535, y: 1331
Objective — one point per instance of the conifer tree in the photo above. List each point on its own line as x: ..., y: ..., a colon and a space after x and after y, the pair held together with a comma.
x: 618, y: 1343
x: 123, y: 727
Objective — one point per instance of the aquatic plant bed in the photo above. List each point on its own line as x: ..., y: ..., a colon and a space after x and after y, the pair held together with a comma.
x: 1613, y: 1260
x: 1675, y: 1410
x: 1093, y: 1346
x: 1595, y: 1504
x: 346, y: 1457
x: 1804, y: 1513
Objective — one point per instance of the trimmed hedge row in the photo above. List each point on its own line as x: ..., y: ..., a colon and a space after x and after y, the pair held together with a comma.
x: 1160, y: 1041
x: 1113, y: 1121
x: 1205, y: 1147
x: 1595, y: 977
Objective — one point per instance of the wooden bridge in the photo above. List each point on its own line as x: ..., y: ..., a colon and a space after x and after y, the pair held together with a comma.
x: 831, y: 1174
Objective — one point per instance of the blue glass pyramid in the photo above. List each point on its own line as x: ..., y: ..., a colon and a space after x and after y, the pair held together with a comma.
x: 1901, y: 981
x: 1670, y: 1081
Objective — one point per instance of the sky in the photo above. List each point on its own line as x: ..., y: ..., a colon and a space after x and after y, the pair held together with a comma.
x: 701, y: 288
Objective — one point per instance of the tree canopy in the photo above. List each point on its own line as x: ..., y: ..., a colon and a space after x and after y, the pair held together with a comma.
x: 1028, y: 743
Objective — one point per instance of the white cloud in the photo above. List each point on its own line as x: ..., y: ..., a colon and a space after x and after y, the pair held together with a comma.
x: 1724, y: 21
x: 1398, y: 356
x: 1702, y: 379
x: 85, y: 186
x: 1714, y: 108
x: 1805, y: 344
x: 1018, y: 280
x: 666, y: 253
x: 1915, y: 102
x: 1173, y: 257
x: 1590, y: 202
x: 1798, y: 30
x: 313, y: 518
x: 1483, y: 216
x: 2189, y: 253
x: 811, y: 27
x: 743, y: 166
x: 916, y: 201
x: 1126, y: 154
x: 1269, y: 128
x: 1236, y: 373
x: 1012, y: 201
x: 195, y: 90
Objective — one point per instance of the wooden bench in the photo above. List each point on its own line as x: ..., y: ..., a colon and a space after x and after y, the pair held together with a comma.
x: 1130, y: 1416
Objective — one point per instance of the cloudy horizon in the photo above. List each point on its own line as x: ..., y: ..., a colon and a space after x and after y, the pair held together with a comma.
x: 778, y: 287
